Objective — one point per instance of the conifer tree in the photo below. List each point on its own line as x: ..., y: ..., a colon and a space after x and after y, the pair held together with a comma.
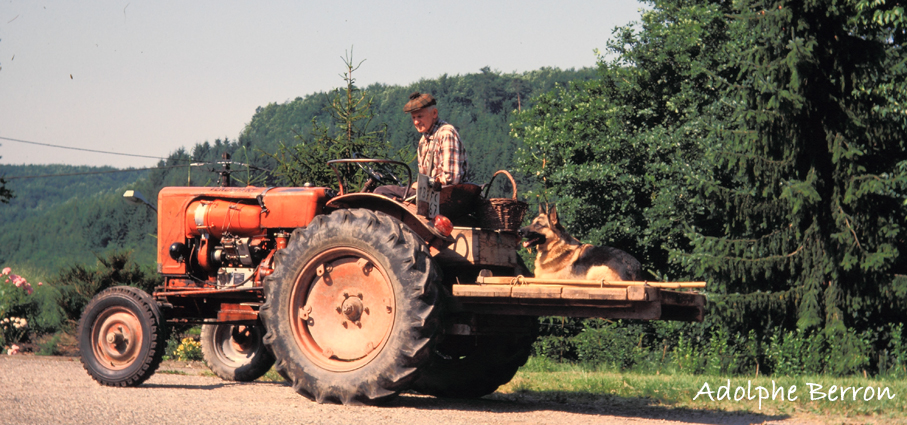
x: 805, y: 222
x: 348, y: 135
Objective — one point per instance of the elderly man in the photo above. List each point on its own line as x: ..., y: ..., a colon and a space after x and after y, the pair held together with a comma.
x: 441, y: 154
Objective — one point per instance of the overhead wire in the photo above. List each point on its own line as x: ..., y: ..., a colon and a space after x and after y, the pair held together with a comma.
x: 80, y: 149
x: 192, y: 164
x: 92, y: 172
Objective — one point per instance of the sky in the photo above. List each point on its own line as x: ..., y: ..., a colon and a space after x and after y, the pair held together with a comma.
x: 148, y: 77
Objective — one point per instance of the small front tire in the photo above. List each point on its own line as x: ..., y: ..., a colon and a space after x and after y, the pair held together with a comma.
x: 122, y: 337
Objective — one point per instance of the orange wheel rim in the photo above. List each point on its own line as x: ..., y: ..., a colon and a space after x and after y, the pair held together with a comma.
x: 342, y: 309
x: 116, y: 338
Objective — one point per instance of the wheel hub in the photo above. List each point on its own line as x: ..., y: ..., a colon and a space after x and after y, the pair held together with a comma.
x: 240, y: 338
x: 343, y: 307
x: 352, y: 308
x: 117, y: 338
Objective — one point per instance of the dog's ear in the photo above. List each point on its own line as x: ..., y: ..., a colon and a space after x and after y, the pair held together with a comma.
x: 541, y: 211
x: 552, y: 215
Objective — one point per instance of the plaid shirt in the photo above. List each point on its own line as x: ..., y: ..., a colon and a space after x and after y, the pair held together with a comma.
x: 442, y: 154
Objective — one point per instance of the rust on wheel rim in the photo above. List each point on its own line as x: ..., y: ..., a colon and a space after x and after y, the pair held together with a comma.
x: 236, y: 345
x: 342, y: 309
x: 116, y: 338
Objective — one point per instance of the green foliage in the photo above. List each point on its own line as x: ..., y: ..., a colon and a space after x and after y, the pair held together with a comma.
x: 795, y: 354
x: 804, y: 212
x: 480, y: 105
x: 615, y: 152
x: 757, y: 145
x: 50, y: 347
x: 77, y: 284
x: 5, y: 193
x: 17, y: 307
x: 62, y: 220
x: 348, y: 136
x: 610, y: 344
x: 893, y: 360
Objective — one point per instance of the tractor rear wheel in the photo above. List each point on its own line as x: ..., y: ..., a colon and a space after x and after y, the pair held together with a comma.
x: 122, y: 337
x: 352, y: 309
x: 235, y: 352
x: 473, y: 366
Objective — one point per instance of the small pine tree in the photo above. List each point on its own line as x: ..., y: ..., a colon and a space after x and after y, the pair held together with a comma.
x: 348, y: 136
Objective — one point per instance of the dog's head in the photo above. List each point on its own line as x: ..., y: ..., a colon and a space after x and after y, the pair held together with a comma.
x: 543, y: 229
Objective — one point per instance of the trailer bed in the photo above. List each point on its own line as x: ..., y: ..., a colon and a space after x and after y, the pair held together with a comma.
x: 518, y: 295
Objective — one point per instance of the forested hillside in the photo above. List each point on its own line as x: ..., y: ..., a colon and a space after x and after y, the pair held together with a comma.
x: 55, y: 221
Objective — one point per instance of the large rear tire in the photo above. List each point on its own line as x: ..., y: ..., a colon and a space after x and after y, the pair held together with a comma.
x: 474, y: 366
x: 352, y: 309
x: 122, y: 337
x: 235, y: 352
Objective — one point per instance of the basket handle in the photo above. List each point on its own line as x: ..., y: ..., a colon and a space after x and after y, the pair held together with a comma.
x: 512, y: 183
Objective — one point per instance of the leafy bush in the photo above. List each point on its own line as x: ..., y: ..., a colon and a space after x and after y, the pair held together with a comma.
x: 613, y: 345
x: 16, y: 306
x: 78, y: 284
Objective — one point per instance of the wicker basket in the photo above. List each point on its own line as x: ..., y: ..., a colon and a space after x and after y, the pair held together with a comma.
x: 501, y: 213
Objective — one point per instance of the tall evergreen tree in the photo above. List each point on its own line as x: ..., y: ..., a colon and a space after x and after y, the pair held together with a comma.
x: 805, y: 218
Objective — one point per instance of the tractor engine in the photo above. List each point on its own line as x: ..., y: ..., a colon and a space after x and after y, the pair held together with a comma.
x: 225, y: 237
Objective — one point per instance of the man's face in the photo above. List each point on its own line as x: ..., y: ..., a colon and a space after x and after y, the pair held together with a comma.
x: 424, y: 118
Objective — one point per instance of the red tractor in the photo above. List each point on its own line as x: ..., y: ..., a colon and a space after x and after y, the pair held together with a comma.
x: 355, y: 296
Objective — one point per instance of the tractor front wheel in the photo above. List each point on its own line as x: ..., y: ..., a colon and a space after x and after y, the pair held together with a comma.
x: 121, y: 337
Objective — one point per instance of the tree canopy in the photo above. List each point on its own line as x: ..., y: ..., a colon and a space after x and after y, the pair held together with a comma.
x: 758, y: 145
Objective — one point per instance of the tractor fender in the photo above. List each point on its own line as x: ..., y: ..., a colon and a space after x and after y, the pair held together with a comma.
x: 405, y: 212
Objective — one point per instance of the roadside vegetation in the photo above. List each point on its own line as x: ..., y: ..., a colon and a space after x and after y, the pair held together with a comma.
x: 542, y: 380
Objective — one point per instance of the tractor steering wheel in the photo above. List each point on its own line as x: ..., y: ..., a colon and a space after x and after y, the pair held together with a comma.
x: 380, y: 172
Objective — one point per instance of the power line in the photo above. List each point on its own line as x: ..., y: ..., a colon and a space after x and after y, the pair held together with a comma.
x: 166, y: 167
x: 91, y: 172
x: 80, y: 149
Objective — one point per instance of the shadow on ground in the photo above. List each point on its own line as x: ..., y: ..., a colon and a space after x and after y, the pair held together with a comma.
x: 583, y: 404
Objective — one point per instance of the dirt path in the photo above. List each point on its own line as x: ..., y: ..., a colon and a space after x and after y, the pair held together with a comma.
x: 56, y: 390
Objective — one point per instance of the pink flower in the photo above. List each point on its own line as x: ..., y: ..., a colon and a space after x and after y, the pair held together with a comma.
x: 29, y: 290
x: 40, y: 283
x: 14, y: 349
x: 6, y: 270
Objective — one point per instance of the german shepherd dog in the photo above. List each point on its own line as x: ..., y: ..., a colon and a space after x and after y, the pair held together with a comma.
x: 561, y: 256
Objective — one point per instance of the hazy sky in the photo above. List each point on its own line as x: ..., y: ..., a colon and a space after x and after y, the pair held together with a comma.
x: 148, y: 77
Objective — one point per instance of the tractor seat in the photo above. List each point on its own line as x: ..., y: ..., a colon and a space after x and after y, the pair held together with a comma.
x: 459, y: 202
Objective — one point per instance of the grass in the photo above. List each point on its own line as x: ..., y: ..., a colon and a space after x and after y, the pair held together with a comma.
x: 544, y: 380
x: 271, y: 376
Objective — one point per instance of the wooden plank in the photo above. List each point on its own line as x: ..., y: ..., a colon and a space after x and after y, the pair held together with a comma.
x: 641, y: 311
x: 643, y: 293
x: 493, y: 291
x: 682, y: 298
x: 616, y: 294
x: 536, y: 291
x: 520, y: 280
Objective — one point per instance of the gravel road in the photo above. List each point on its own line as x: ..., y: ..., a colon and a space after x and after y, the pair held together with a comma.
x: 56, y: 390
